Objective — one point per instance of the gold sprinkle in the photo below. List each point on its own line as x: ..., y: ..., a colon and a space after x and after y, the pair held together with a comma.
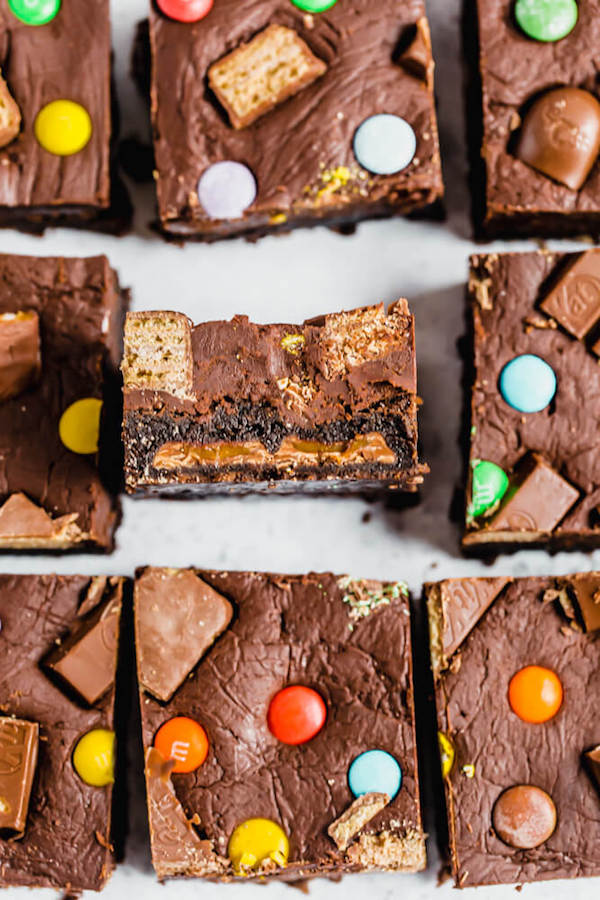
x: 293, y: 343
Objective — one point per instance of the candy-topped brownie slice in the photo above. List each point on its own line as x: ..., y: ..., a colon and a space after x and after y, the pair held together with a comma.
x: 56, y: 127
x: 60, y: 342
x: 224, y: 407
x: 516, y: 666
x: 277, y: 724
x: 536, y: 142
x: 290, y: 113
x: 534, y: 444
x: 58, y: 660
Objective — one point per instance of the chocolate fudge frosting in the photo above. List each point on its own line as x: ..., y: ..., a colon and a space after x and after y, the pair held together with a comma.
x: 69, y: 58
x: 507, y: 293
x: 80, y: 308
x: 296, y: 149
x: 311, y: 630
x: 235, y: 401
x: 66, y: 840
x: 514, y: 71
x: 495, y: 749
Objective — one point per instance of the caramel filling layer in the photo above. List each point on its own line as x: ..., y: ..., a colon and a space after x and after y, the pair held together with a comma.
x: 370, y: 447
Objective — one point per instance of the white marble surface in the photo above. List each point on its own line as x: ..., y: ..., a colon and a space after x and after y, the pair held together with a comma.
x: 283, y: 279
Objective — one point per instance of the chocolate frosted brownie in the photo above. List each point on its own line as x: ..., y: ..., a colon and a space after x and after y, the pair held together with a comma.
x: 234, y: 406
x: 55, y: 116
x: 536, y: 159
x: 59, y: 644
x: 291, y: 114
x: 278, y: 724
x: 516, y: 664
x: 534, y: 456
x: 60, y: 342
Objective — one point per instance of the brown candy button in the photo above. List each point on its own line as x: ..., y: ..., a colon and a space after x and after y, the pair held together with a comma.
x: 524, y: 816
x: 560, y: 136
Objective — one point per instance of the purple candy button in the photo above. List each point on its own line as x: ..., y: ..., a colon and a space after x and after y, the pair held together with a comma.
x: 226, y: 189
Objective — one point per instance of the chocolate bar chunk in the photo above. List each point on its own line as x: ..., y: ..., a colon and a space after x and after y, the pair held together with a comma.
x: 520, y: 805
x: 52, y: 495
x: 256, y: 77
x: 275, y: 137
x: 535, y: 142
x: 56, y: 128
x: 310, y: 684
x: 65, y: 841
x: 234, y: 406
x: 534, y: 448
x: 85, y: 660
x: 592, y: 758
x: 18, y: 759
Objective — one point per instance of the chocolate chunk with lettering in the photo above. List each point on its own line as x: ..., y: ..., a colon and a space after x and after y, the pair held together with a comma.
x: 417, y: 58
x: 538, y: 504
x: 586, y: 591
x: 87, y: 659
x: 574, y: 300
x: 454, y: 607
x: 354, y: 819
x: 256, y: 77
x: 18, y: 759
x: 175, y: 845
x: 560, y: 136
x: 592, y: 760
x: 20, y: 355
x: 10, y: 115
x: 178, y: 617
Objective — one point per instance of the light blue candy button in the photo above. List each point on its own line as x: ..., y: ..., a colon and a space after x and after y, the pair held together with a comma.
x: 375, y: 770
x: 384, y: 144
x: 528, y: 383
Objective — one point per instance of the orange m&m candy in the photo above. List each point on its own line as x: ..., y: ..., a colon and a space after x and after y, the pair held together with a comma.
x: 535, y: 694
x: 296, y: 714
x: 184, y: 741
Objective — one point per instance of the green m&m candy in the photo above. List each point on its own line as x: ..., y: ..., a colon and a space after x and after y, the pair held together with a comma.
x: 489, y: 485
x: 34, y: 12
x: 546, y: 20
x: 314, y: 6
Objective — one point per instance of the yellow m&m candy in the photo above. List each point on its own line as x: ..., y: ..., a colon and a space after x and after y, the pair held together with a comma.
x: 63, y: 127
x: 94, y: 757
x: 79, y: 426
x: 255, y: 841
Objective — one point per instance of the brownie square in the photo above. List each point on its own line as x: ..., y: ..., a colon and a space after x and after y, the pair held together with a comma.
x: 69, y: 58
x: 60, y: 342
x: 66, y: 839
x: 522, y: 306
x: 219, y: 648
x: 225, y: 407
x: 511, y: 71
x: 505, y: 654
x: 300, y: 150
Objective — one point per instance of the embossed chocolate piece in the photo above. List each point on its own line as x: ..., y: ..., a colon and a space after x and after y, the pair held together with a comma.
x: 87, y: 659
x: 178, y: 617
x: 560, y: 136
x: 256, y: 77
x: 538, y: 504
x: 175, y: 845
x: 20, y: 354
x: 592, y: 760
x: 353, y: 820
x: 455, y: 607
x: 10, y: 115
x: 18, y: 759
x: 574, y: 300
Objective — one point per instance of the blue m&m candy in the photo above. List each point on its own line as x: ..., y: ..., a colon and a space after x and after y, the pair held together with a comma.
x: 375, y: 771
x: 527, y: 383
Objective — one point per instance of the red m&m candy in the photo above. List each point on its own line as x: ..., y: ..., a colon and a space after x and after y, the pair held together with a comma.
x: 296, y: 714
x: 185, y: 10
